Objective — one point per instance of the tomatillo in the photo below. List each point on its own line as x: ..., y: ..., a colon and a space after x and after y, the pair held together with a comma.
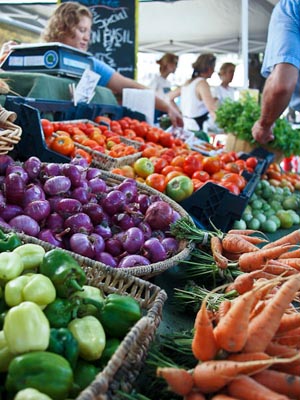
x: 179, y: 188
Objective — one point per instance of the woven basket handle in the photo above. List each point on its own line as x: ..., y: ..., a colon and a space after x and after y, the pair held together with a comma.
x: 7, y: 115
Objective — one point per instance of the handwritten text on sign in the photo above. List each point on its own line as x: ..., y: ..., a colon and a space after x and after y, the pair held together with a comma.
x: 113, y: 36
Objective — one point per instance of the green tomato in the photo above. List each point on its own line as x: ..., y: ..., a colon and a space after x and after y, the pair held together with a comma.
x: 180, y: 188
x: 143, y: 167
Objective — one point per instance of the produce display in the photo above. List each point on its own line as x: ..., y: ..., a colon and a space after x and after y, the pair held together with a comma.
x: 73, y: 235
x: 57, y: 331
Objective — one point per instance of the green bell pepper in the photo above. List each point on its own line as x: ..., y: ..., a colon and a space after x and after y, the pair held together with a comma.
x: 26, y: 328
x: 84, y: 374
x: 91, y: 300
x: 11, y: 266
x: 111, y: 346
x: 37, y: 288
x: 5, y: 355
x: 61, y: 311
x: 47, y: 372
x: 64, y: 271
x: 63, y: 342
x: 9, y: 241
x: 13, y: 291
x: 31, y: 255
x: 119, y: 314
x: 31, y: 394
x: 90, y: 336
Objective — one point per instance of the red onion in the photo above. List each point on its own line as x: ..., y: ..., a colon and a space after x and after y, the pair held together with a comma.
x: 79, y: 223
x: 14, y: 188
x: 33, y: 192
x: 5, y: 160
x: 97, y: 185
x: 133, y: 240
x: 57, y: 185
x: 55, y: 222
x: 81, y: 244
x: 103, y: 230
x: 33, y: 167
x: 2, y: 201
x: 4, y: 224
x: 133, y: 261
x: 80, y: 161
x: 93, y: 173
x: 51, y: 169
x: 113, y: 246
x: 106, y: 258
x: 123, y: 220
x: 73, y: 173
x: 48, y: 236
x: 17, y: 169
x: 144, y: 202
x: 154, y: 250
x: 82, y: 194
x: 38, y: 209
x: 159, y: 215
x: 129, y: 188
x: 146, y: 229
x: 113, y: 202
x: 11, y: 211
x: 94, y: 211
x: 25, y: 224
x: 171, y: 246
x: 67, y: 207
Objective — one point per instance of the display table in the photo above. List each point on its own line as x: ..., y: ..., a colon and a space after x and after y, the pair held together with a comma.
x: 43, y: 86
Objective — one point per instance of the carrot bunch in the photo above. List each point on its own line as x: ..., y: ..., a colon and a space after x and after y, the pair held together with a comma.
x: 242, y: 354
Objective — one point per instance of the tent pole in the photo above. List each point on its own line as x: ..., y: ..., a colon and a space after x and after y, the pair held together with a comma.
x: 245, y: 16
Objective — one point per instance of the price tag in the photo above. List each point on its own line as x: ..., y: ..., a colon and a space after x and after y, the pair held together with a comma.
x: 85, y: 89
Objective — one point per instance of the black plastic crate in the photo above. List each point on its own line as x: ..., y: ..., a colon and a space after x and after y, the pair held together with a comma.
x: 31, y: 111
x: 215, y: 206
x: 264, y: 157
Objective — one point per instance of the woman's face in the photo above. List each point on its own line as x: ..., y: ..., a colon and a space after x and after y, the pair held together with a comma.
x: 81, y: 35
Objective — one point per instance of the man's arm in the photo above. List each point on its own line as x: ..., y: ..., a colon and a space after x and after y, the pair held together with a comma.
x: 277, y: 93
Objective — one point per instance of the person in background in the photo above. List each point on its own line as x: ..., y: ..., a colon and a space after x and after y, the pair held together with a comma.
x: 160, y: 83
x: 224, y: 91
x: 196, y: 100
x: 281, y: 66
x: 71, y: 24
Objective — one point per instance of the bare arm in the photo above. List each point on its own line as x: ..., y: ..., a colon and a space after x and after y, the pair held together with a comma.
x: 277, y: 93
x: 204, y: 94
x: 119, y: 82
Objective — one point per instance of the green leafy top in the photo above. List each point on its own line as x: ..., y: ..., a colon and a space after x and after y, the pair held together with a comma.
x: 238, y: 117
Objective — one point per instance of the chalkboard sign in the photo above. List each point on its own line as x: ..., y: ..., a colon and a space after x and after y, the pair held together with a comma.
x: 113, y: 36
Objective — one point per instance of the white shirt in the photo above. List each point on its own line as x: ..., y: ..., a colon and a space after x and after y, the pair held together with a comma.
x: 161, y: 86
x: 223, y: 93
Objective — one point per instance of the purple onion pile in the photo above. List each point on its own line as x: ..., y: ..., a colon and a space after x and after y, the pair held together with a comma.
x: 72, y: 207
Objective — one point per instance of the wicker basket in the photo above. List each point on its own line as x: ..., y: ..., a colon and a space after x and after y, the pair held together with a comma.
x: 10, y: 134
x: 239, y: 145
x: 126, y: 363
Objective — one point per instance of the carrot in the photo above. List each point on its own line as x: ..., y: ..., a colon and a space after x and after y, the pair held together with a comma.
x: 211, y: 376
x: 242, y: 357
x: 276, y: 267
x: 179, y: 380
x: 231, y: 256
x: 237, y: 244
x: 243, y: 283
x: 263, y: 327
x: 254, y: 239
x: 223, y: 397
x: 290, y: 338
x: 291, y: 262
x: 216, y: 249
x: 246, y: 388
x: 244, y: 231
x: 290, y: 254
x: 223, y: 309
x: 204, y: 346
x: 291, y: 238
x: 231, y: 332
x: 288, y: 321
x: 252, y: 261
x: 280, y: 382
x: 193, y: 395
x: 275, y: 349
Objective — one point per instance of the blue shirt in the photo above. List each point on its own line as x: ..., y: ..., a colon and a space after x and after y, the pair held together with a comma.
x: 283, y: 44
x: 104, y: 70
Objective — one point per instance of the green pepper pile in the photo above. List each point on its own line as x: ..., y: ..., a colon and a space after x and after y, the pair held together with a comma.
x: 56, y: 331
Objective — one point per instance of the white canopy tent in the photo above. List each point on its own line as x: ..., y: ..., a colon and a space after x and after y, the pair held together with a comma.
x: 182, y: 26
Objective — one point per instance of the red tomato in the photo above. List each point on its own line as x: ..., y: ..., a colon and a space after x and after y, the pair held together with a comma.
x: 173, y: 174
x: 156, y: 181
x: 159, y: 163
x: 191, y: 164
x: 80, y: 153
x: 202, y: 176
x: 232, y: 187
x: 235, y: 178
x: 166, y: 139
x: 211, y: 164
x: 197, y: 184
x: 47, y: 126
x: 63, y: 145
x: 251, y: 162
